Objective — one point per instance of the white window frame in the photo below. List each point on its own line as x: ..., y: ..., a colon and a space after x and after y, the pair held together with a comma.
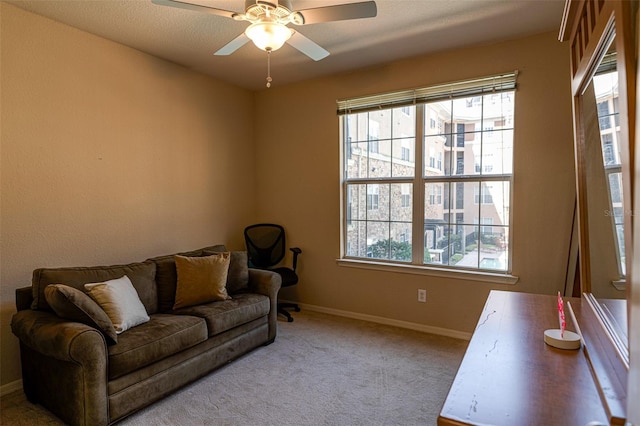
x: 505, y: 82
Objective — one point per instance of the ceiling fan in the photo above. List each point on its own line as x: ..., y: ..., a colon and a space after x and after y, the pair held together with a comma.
x: 269, y: 20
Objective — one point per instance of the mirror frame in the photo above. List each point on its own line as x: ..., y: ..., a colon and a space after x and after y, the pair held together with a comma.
x: 589, y: 26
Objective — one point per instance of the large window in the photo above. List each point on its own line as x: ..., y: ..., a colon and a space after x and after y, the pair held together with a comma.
x: 427, y: 175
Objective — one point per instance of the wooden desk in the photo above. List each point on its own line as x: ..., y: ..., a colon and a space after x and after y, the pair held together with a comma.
x: 509, y: 376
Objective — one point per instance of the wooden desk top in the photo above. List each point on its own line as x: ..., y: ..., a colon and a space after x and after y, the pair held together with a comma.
x: 509, y: 376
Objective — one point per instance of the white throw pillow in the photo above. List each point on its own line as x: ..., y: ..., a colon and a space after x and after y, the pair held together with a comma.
x: 120, y: 300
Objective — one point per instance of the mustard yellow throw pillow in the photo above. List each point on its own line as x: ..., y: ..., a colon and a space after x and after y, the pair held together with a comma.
x: 201, y: 279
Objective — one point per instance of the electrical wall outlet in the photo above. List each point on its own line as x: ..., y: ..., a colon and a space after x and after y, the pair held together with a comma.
x: 422, y: 295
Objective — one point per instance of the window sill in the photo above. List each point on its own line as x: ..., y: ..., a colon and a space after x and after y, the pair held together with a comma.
x: 483, y: 276
x: 620, y: 285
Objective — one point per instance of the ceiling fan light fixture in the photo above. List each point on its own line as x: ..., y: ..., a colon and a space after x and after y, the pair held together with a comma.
x: 268, y: 36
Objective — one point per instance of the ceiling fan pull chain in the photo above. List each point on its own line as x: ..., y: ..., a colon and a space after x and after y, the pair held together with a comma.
x: 269, y: 68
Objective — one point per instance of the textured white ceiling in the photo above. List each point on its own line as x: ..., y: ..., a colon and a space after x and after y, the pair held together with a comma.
x: 402, y: 29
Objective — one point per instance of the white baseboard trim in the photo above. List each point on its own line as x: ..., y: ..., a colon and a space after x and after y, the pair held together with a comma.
x: 388, y: 321
x: 10, y: 387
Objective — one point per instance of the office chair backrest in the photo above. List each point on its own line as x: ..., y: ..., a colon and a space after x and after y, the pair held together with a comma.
x: 265, y: 244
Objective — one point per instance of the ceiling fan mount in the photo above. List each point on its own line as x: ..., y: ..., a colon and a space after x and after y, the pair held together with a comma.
x: 280, y: 11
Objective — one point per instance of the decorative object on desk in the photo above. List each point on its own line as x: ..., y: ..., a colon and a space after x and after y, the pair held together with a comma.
x: 561, y: 338
x: 561, y: 319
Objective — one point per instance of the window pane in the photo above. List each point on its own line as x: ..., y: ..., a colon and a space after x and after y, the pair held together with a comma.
x: 497, y: 152
x: 400, y: 241
x: 402, y: 202
x: 495, y: 203
x: 452, y: 235
x: 437, y: 118
x: 378, y: 202
x: 378, y: 240
x: 435, y: 225
x: 620, y: 239
x: 390, y: 144
x: 356, y: 220
x: 606, y: 92
x: 615, y: 189
x: 379, y: 158
x: 494, y: 225
x: 437, y: 157
x: 356, y: 160
x: 467, y: 112
x: 493, y: 247
x: 498, y: 111
x: 469, y: 154
x: 404, y: 122
x: 404, y: 159
x: 458, y: 244
x: 356, y: 127
x: 463, y: 243
x: 403, y: 132
x: 379, y: 221
x: 356, y: 239
x: 380, y: 124
x: 439, y: 143
x: 356, y: 202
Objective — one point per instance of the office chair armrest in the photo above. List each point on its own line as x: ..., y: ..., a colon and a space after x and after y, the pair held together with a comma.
x: 296, y: 251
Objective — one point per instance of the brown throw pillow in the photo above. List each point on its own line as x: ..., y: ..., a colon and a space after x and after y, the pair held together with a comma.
x: 72, y: 304
x: 238, y: 277
x: 201, y: 279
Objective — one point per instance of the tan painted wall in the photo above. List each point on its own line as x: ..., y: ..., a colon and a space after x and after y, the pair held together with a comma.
x: 298, y: 144
x: 109, y: 155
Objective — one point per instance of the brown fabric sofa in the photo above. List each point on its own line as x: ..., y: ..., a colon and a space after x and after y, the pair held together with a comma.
x: 69, y: 368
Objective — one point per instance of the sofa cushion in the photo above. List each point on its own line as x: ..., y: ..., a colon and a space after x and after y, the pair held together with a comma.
x: 119, y: 299
x: 72, y: 304
x: 238, y: 277
x: 224, y: 315
x: 142, y: 275
x: 163, y: 336
x: 201, y: 279
x: 167, y: 277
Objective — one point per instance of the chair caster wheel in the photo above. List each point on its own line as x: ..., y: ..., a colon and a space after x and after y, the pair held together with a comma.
x: 290, y: 319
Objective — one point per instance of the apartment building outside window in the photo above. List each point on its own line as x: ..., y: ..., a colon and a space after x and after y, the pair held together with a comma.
x: 606, y: 93
x: 449, y: 205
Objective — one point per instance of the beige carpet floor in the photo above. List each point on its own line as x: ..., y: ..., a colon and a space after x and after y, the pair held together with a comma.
x: 321, y: 370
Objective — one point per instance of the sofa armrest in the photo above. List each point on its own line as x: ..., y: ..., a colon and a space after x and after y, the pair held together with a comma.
x: 24, y: 298
x: 268, y: 283
x: 265, y: 282
x: 58, y: 338
x: 60, y: 354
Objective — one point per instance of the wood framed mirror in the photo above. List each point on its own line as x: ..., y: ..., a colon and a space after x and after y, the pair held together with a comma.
x: 602, y: 41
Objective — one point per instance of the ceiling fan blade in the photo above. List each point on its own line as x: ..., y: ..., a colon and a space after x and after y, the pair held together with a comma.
x: 196, y: 7
x: 307, y: 46
x: 340, y: 12
x: 233, y: 45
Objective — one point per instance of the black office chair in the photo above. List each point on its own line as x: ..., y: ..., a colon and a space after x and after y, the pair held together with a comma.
x: 266, y: 248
